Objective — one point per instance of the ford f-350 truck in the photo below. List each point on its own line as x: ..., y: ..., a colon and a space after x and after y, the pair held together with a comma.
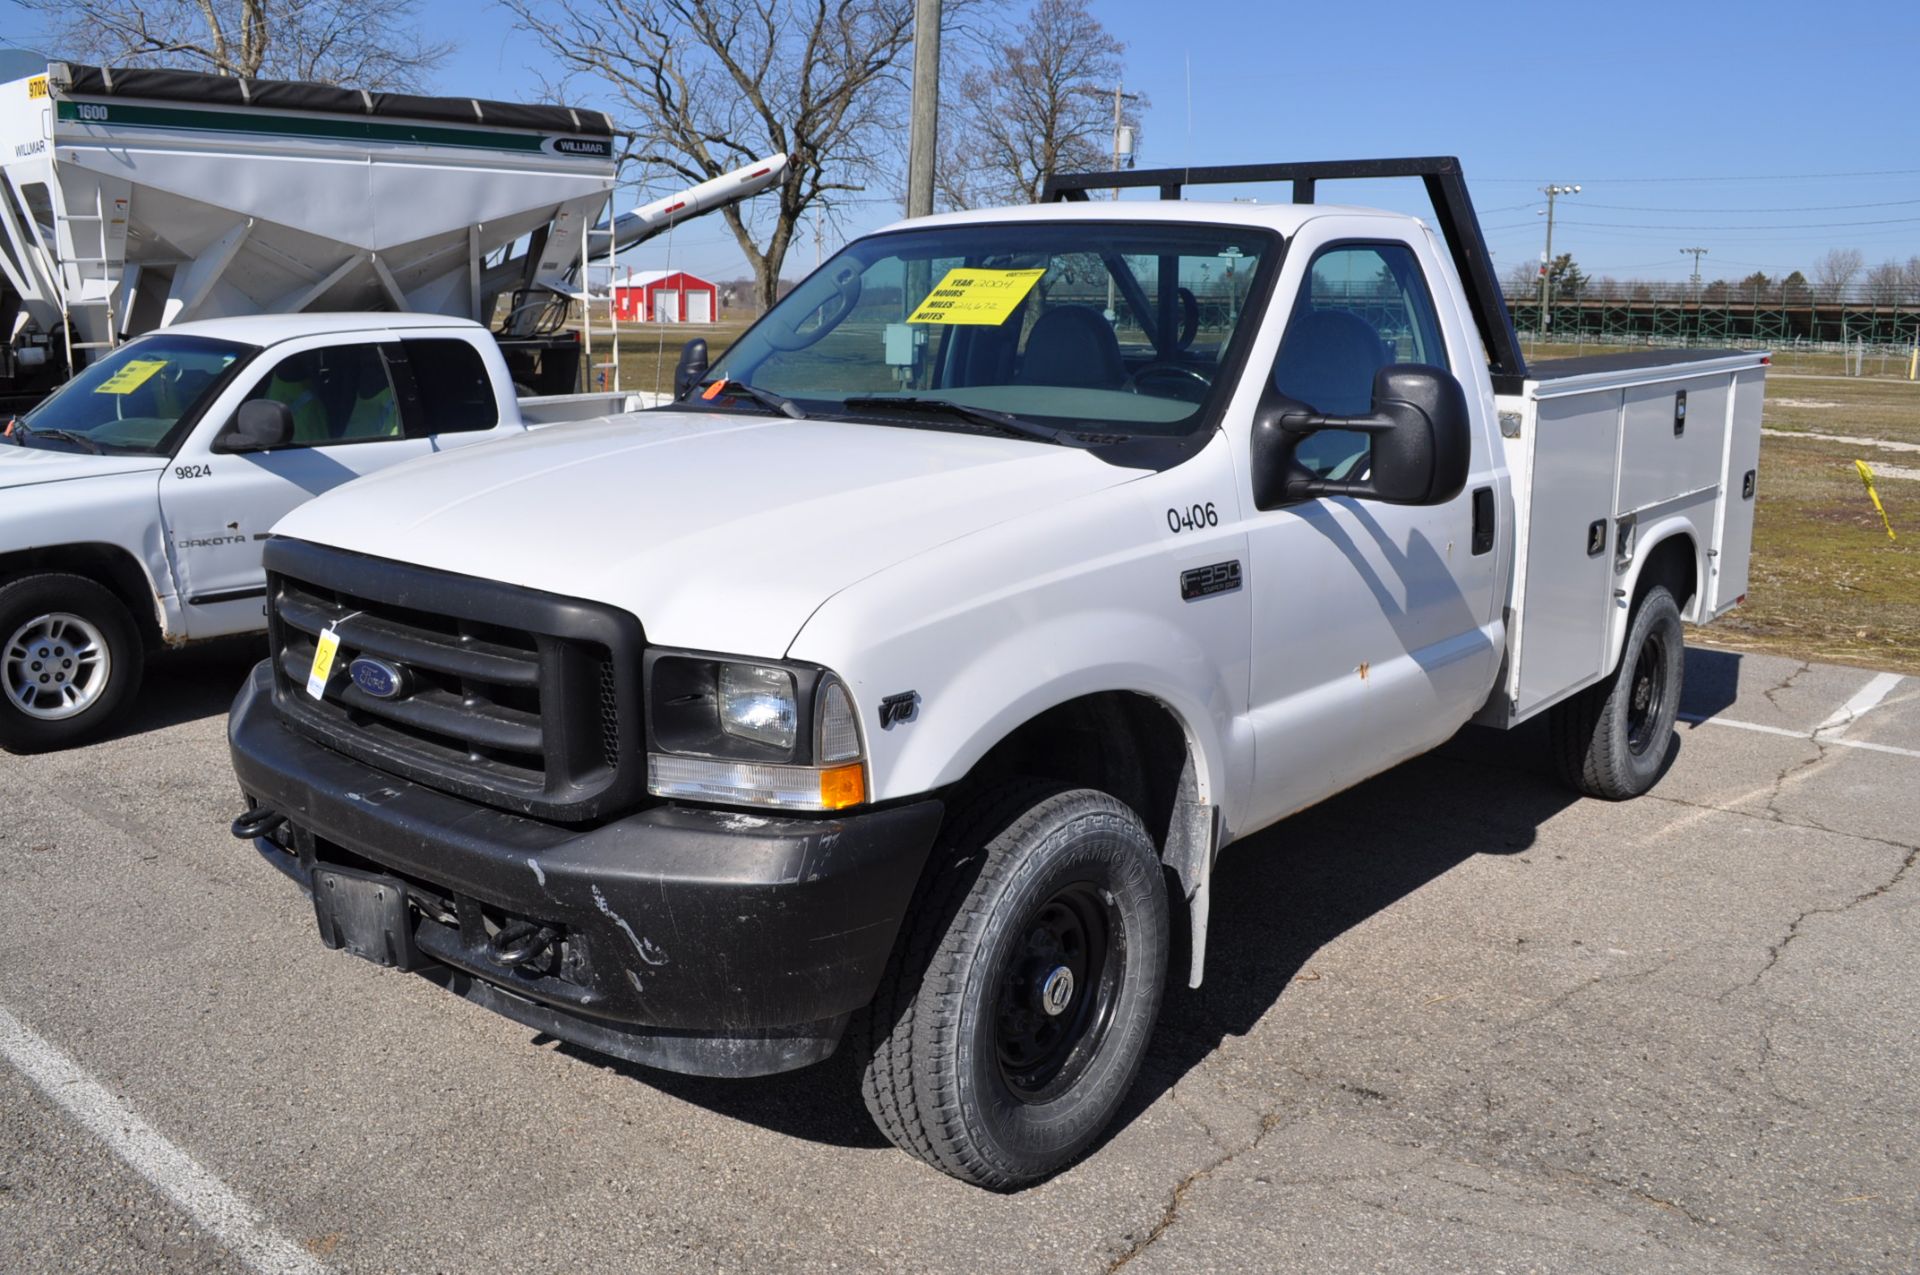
x: 897, y: 686
x: 135, y: 502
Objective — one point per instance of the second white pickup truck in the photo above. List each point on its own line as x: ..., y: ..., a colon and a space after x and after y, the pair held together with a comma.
x: 901, y: 682
x: 134, y: 502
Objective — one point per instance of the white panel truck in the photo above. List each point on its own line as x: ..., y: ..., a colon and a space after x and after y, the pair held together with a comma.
x: 135, y: 501
x: 897, y: 686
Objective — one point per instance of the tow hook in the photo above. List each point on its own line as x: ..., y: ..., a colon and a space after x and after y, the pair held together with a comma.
x: 258, y: 822
x: 520, y: 942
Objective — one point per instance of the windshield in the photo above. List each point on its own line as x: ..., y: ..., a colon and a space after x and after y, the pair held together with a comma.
x: 131, y: 401
x: 1112, y: 327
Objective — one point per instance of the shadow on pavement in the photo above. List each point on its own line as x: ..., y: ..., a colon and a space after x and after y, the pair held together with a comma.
x: 192, y: 683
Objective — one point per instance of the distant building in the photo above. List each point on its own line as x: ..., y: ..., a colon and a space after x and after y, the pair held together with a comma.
x: 664, y: 296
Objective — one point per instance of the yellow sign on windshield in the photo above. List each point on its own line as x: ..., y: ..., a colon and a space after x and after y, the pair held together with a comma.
x: 132, y: 375
x: 981, y: 297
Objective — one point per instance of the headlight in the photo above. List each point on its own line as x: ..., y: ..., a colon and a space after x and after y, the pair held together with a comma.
x: 741, y: 732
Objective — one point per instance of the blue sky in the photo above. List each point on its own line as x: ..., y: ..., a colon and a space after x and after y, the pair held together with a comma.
x: 1726, y: 125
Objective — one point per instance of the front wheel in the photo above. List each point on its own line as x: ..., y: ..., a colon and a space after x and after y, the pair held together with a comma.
x: 1015, y: 1014
x: 1611, y: 739
x: 70, y: 661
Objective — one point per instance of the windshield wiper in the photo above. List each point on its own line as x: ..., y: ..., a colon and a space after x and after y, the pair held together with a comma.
x: 766, y: 398
x: 22, y: 431
x: 1006, y: 422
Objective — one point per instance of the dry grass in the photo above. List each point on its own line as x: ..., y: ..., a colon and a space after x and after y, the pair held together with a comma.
x: 1826, y: 583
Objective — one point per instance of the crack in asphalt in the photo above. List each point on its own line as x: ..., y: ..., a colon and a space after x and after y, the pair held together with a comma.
x: 1777, y: 950
x: 1786, y: 683
x: 1171, y: 1214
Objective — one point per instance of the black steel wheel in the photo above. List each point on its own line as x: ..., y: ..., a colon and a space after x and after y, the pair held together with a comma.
x: 1611, y: 740
x: 1015, y: 1013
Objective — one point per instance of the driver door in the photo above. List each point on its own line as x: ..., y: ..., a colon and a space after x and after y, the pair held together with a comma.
x: 1373, y: 623
x: 218, y: 506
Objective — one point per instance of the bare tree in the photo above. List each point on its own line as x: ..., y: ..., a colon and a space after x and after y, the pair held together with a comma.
x: 1834, y: 273
x: 1910, y: 277
x: 711, y: 85
x: 373, y: 44
x: 1523, y: 279
x: 1040, y: 102
x: 1885, y: 282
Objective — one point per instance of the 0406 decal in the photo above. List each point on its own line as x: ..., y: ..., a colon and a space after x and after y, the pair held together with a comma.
x: 1192, y: 518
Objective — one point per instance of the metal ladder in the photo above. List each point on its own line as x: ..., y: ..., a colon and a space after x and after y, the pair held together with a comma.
x: 69, y: 302
x: 587, y: 299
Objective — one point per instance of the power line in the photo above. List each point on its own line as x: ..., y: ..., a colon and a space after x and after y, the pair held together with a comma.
x: 1884, y: 203
x: 1774, y: 177
x: 1792, y: 225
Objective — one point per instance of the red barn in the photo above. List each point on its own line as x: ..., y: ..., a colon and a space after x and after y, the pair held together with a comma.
x: 664, y: 296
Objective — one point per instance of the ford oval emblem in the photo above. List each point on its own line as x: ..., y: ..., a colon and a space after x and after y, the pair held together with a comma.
x: 378, y: 678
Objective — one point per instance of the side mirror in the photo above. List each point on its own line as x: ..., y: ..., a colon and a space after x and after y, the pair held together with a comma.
x: 691, y: 369
x: 259, y: 426
x: 1422, y: 443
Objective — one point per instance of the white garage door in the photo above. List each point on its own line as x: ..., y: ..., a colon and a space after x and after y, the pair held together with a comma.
x: 666, y: 305
x: 699, y: 307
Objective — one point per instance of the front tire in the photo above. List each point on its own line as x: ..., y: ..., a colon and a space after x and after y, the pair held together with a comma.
x: 1611, y: 739
x: 1016, y: 1011
x: 70, y: 661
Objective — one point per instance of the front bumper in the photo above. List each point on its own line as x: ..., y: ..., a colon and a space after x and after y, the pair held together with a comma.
x: 699, y: 941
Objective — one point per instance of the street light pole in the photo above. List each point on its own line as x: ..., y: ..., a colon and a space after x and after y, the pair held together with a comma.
x: 1546, y: 267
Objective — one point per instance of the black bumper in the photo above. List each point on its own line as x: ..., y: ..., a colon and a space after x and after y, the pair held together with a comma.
x: 698, y: 941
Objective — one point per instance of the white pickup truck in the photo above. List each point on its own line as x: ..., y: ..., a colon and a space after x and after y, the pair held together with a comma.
x: 901, y: 682
x: 135, y: 501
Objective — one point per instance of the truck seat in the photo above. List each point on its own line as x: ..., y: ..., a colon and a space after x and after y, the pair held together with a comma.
x: 1072, y: 345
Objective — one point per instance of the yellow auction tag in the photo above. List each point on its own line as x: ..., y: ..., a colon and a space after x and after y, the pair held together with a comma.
x: 36, y: 88
x: 323, y: 652
x: 981, y: 297
x: 132, y: 375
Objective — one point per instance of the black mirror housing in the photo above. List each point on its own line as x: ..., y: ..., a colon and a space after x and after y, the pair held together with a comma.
x: 691, y: 369
x: 1422, y: 442
x: 259, y: 426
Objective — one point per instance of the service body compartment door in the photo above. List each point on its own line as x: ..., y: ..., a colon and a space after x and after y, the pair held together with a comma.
x: 1675, y: 440
x: 1733, y: 531
x: 1569, y: 556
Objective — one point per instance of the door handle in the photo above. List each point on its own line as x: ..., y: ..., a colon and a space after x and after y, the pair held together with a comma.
x: 1482, y: 520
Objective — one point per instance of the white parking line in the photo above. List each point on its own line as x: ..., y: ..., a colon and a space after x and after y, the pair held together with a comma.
x: 223, y: 1214
x: 1835, y: 740
x: 1856, y: 708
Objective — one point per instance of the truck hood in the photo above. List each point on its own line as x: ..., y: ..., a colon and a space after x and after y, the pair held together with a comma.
x: 718, y: 532
x: 25, y: 466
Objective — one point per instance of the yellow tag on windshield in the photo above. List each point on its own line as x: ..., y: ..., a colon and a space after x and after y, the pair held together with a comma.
x: 981, y: 297
x: 132, y: 375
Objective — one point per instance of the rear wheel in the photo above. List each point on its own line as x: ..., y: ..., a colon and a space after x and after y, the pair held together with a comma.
x: 70, y: 661
x: 1014, y: 1016
x: 1611, y: 739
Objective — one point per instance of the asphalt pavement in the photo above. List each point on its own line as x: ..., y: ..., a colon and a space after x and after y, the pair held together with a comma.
x: 1456, y: 1020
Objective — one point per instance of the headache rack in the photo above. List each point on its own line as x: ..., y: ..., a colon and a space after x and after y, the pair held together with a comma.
x: 1452, y: 207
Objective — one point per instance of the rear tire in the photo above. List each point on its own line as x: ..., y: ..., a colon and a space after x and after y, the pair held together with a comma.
x: 1014, y: 1015
x: 1610, y: 740
x: 70, y: 661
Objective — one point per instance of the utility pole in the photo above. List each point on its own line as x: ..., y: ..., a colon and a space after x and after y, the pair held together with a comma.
x: 1546, y: 261
x: 1697, y: 254
x: 923, y: 140
x: 1119, y: 101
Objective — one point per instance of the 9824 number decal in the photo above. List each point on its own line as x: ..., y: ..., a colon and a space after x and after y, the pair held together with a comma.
x: 1192, y: 518
x: 193, y: 471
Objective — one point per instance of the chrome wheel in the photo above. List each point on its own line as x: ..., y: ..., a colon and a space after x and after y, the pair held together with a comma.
x: 55, y: 666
